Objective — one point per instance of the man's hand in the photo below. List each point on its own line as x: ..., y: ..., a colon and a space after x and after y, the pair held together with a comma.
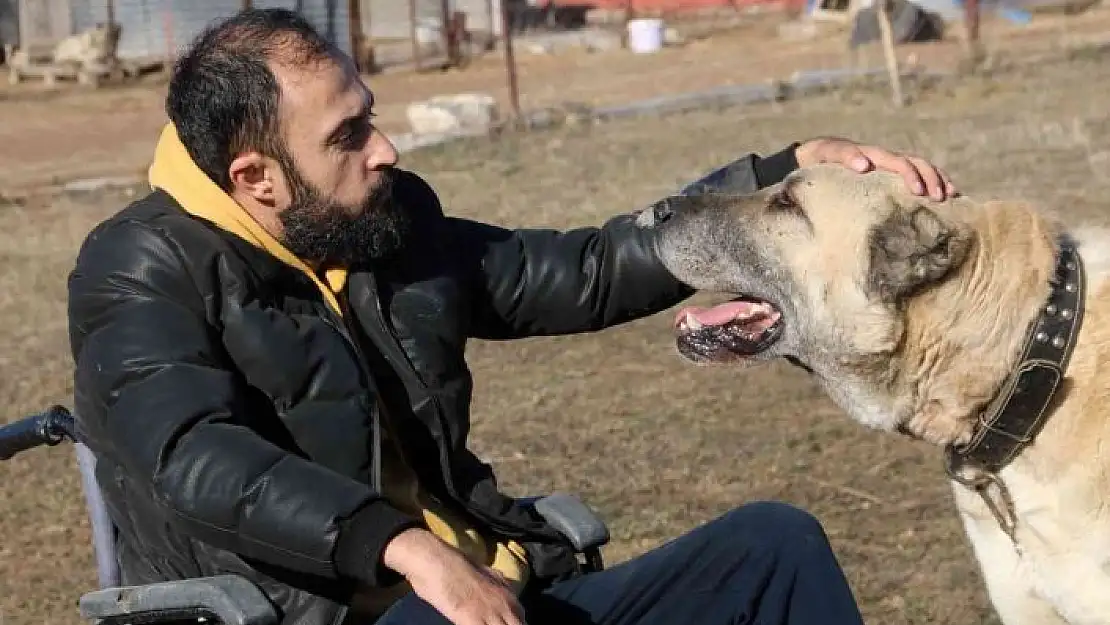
x: 442, y: 576
x: 921, y: 176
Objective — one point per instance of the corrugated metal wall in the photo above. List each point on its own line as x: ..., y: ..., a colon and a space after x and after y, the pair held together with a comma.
x: 330, y: 17
x: 478, y: 14
x: 9, y: 22
x: 389, y: 19
x: 154, y: 28
x: 44, y: 22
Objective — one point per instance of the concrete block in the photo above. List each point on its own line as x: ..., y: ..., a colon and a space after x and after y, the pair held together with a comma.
x: 462, y: 112
x: 672, y: 37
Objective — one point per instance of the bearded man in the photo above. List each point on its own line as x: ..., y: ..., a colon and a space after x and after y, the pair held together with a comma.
x: 270, y: 368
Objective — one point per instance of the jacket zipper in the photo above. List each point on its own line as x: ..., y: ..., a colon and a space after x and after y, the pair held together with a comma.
x: 394, y: 345
x: 391, y: 348
x: 344, y: 330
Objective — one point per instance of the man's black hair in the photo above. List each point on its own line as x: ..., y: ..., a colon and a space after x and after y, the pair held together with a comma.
x: 223, y: 97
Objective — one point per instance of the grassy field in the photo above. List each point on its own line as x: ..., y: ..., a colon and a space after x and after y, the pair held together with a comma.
x: 657, y: 445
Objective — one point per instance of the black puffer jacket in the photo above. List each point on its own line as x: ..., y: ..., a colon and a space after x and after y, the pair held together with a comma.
x: 233, y: 414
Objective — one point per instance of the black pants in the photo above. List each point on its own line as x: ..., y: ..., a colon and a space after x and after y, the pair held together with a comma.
x: 761, y: 563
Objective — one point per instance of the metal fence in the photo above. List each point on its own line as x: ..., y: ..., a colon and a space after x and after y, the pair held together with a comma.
x: 156, y: 28
x: 380, y: 34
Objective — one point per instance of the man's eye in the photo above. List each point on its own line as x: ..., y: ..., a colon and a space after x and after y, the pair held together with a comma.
x: 356, y: 135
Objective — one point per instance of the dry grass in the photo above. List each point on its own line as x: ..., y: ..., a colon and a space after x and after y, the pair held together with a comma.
x: 657, y: 445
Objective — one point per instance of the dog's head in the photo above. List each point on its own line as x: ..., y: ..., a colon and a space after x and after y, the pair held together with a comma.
x: 823, y: 267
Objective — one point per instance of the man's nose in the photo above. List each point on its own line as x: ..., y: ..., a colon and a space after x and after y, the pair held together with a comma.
x: 381, y: 152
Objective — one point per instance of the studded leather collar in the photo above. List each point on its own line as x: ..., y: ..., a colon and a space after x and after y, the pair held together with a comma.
x: 1018, y: 412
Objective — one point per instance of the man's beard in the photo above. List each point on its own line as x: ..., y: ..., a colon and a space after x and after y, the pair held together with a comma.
x: 324, y: 231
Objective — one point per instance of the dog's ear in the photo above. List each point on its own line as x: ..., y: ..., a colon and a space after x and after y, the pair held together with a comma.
x: 913, y: 249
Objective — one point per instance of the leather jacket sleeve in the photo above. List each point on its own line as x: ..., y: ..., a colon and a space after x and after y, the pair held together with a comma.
x: 161, y: 404
x: 537, y: 282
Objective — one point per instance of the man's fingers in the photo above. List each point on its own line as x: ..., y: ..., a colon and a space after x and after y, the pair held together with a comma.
x: 503, y: 619
x: 517, y: 608
x: 900, y: 165
x: 930, y: 176
x: 949, y: 186
x: 512, y: 614
x: 920, y: 176
x: 514, y: 618
x: 851, y: 155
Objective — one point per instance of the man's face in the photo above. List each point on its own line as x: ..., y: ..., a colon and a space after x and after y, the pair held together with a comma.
x: 336, y: 206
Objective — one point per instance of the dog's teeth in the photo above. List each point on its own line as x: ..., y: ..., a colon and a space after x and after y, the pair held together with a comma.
x: 690, y: 322
x: 761, y: 308
x: 752, y: 311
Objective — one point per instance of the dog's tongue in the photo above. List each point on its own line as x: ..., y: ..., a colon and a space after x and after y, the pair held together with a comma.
x: 718, y: 315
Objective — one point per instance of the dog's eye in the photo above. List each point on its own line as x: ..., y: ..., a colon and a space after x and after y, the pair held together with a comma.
x: 784, y: 201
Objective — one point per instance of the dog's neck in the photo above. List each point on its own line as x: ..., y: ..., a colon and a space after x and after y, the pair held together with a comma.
x: 965, y: 335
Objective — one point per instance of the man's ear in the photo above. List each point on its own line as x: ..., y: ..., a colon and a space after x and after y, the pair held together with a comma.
x: 913, y: 249
x: 251, y: 175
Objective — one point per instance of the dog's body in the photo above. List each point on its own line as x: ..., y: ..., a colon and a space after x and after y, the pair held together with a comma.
x: 913, y: 314
x: 94, y: 46
x: 90, y: 48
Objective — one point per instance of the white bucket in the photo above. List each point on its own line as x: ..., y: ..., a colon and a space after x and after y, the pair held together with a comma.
x: 645, y: 35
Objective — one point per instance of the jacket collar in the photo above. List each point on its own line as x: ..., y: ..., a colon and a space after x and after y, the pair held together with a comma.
x: 174, y: 172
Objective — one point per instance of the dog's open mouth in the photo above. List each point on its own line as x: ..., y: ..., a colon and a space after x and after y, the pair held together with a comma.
x: 737, y: 329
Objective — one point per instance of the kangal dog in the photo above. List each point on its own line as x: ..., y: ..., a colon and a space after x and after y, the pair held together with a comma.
x: 980, y: 327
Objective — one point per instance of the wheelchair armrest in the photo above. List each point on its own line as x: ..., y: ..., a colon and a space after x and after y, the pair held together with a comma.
x: 230, y: 599
x: 568, y: 514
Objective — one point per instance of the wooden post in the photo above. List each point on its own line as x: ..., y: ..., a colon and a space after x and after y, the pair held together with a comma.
x: 446, y: 34
x: 510, y: 62
x: 971, y: 28
x: 354, y: 29
x: 412, y: 34
x: 491, y: 43
x: 246, y: 5
x: 629, y: 12
x: 882, y: 14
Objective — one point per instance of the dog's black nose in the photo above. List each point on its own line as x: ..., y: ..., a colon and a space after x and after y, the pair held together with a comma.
x: 656, y: 214
x: 663, y: 210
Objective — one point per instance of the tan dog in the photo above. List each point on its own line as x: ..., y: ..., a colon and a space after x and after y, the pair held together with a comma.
x: 915, y: 315
x: 90, y: 48
x: 95, y: 46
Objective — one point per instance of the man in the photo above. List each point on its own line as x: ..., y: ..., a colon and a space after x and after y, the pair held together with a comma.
x: 270, y: 371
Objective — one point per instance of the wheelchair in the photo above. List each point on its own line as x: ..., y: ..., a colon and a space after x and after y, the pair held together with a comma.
x: 220, y: 599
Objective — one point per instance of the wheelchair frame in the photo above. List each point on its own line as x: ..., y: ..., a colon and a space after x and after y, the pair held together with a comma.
x: 221, y: 599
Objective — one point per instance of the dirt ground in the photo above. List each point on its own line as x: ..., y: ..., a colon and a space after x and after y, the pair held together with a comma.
x: 69, y: 133
x: 658, y: 446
